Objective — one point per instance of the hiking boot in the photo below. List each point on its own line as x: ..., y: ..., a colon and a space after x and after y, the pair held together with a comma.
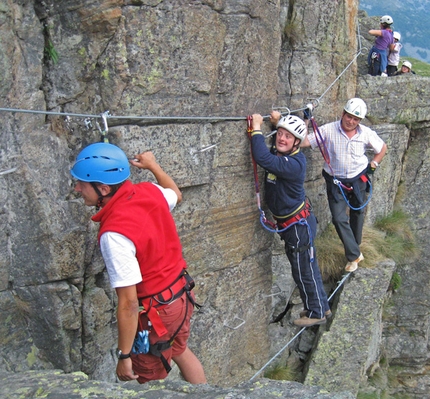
x: 353, y: 265
x: 308, y: 322
x: 327, y: 314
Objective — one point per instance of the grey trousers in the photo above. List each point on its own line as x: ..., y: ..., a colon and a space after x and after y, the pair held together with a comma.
x: 349, y: 225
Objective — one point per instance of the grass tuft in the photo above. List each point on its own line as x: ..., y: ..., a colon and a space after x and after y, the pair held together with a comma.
x: 390, y: 237
x: 51, y: 52
x: 400, y: 239
x: 281, y: 373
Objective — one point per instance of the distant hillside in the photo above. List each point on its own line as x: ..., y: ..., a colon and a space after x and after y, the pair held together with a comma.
x: 410, y: 19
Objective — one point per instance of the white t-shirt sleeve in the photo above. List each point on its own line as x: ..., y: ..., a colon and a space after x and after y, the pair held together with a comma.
x: 170, y: 195
x: 119, y: 254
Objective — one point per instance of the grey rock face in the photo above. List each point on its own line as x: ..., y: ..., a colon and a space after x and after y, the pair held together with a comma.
x: 56, y: 384
x: 144, y: 61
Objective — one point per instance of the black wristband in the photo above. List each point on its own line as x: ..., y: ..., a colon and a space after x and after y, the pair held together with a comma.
x: 121, y: 355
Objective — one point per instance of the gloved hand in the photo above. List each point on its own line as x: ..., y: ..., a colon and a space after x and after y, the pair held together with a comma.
x: 307, y: 113
x: 370, y: 169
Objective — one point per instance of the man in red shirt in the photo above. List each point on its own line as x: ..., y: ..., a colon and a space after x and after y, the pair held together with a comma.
x: 143, y: 257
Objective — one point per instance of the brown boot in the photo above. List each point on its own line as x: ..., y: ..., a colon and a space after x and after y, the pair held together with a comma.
x: 353, y: 265
x: 327, y: 314
x: 308, y: 322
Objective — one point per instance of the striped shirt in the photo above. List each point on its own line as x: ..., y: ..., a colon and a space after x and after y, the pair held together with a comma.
x: 347, y: 156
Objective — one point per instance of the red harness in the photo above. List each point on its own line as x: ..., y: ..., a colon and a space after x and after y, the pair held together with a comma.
x: 158, y: 301
x: 303, y: 214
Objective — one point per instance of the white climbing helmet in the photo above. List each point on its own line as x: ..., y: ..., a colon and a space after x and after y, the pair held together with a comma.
x: 294, y: 125
x: 407, y: 64
x: 397, y: 36
x: 356, y: 107
x: 386, y: 19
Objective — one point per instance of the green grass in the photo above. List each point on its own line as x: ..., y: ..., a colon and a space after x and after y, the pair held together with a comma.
x: 419, y: 67
x: 399, y: 243
x: 51, y: 52
x: 396, y: 281
x: 390, y: 237
x: 282, y: 373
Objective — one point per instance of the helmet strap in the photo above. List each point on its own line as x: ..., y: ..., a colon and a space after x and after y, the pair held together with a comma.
x: 113, y: 189
x: 101, y: 197
x: 295, y: 146
x: 294, y: 149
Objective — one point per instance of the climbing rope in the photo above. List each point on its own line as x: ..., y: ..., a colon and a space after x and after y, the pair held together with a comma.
x: 340, y: 283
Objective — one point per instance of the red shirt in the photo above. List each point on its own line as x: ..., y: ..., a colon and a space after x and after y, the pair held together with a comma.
x: 141, y: 213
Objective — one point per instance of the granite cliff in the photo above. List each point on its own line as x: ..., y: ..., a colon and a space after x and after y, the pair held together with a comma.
x: 179, y: 78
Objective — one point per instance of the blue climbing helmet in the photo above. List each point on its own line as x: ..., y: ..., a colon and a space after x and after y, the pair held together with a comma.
x: 101, y: 163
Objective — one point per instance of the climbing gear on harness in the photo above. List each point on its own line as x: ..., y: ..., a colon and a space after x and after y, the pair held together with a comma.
x: 141, y: 342
x: 302, y: 213
x: 101, y: 163
x: 356, y: 107
x: 375, y: 64
x: 294, y: 125
x: 184, y: 283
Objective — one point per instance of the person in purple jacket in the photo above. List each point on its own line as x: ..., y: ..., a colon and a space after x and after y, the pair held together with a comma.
x: 285, y: 167
x: 378, y: 54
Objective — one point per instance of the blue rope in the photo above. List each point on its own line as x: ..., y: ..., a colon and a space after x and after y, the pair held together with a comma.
x: 301, y: 222
x: 338, y: 183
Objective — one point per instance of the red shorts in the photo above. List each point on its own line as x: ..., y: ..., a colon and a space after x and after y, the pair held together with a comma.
x: 150, y: 367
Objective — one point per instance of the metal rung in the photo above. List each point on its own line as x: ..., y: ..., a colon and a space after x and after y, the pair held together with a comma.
x: 276, y: 293
x: 5, y: 172
x: 206, y: 148
x: 236, y: 327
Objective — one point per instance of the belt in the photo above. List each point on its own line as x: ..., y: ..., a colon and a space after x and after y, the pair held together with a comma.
x: 303, y: 214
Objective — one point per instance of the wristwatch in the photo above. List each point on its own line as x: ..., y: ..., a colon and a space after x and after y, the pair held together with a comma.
x: 121, y: 355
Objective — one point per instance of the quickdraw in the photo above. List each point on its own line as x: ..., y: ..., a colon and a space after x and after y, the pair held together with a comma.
x: 342, y: 187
